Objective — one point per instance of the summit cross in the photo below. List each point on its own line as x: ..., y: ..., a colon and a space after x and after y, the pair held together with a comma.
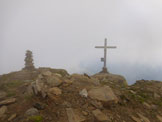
x: 104, y: 70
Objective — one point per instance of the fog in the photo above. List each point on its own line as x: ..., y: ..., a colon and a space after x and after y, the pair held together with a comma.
x: 63, y: 34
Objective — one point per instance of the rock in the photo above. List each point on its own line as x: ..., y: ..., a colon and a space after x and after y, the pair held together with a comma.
x: 38, y: 106
x: 97, y: 104
x: 107, y: 77
x: 66, y: 104
x: 74, y: 116
x: 85, y: 113
x: 55, y: 91
x: 32, y: 112
x: 101, y: 117
x: 46, y: 73
x: 2, y: 94
x: 159, y: 118
x: 104, y: 94
x: 154, y: 107
x: 156, y: 96
x: 30, y: 89
x: 147, y: 105
x: 3, y: 110
x: 59, y: 75
x: 84, y: 93
x: 133, y: 92
x: 83, y: 81
x: 8, y: 101
x: 62, y: 72
x: 79, y: 116
x: 53, y: 81
x: 87, y: 75
x: 12, y: 117
x: 136, y: 119
x: 144, y: 119
x: 69, y: 82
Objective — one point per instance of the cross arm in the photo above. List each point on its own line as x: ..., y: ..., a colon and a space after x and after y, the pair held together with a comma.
x: 99, y: 47
x: 111, y: 47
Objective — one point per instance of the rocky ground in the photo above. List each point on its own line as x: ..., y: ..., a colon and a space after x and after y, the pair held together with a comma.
x: 50, y: 95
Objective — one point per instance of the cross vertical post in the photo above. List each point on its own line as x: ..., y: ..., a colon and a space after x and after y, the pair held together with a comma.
x: 104, y: 70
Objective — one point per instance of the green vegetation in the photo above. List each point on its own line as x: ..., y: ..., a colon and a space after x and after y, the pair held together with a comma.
x: 36, y: 118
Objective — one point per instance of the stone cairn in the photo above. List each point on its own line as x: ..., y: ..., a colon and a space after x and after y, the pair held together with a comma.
x: 29, y: 61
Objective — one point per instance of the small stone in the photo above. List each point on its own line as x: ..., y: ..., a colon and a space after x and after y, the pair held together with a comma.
x: 12, y: 117
x: 66, y: 104
x: 32, y: 112
x: 54, y: 81
x: 147, y: 105
x: 55, y: 91
x: 156, y: 96
x: 8, y: 101
x: 74, y: 115
x: 3, y: 110
x: 84, y: 93
x: 59, y: 75
x: 68, y: 81
x: 38, y: 106
x: 101, y: 117
x: 135, y: 119
x: 145, y: 119
x: 154, y: 107
x: 159, y: 118
x: 97, y: 104
x: 85, y: 113
x: 133, y: 92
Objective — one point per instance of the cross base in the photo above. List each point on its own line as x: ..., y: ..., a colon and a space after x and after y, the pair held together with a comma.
x: 104, y: 70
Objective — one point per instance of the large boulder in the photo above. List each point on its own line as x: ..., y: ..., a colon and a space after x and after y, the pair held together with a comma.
x: 83, y: 81
x: 103, y: 93
x: 111, y: 78
x: 62, y: 72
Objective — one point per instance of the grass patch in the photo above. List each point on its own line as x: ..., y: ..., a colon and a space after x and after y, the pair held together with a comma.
x: 36, y: 118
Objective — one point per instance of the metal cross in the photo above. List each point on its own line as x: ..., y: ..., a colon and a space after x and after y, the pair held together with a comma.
x: 105, y: 54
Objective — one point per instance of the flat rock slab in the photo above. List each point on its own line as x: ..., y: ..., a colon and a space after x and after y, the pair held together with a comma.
x: 101, y: 117
x: 8, y: 101
x: 104, y: 94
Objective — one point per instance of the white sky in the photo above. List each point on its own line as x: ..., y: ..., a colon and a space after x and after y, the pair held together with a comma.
x: 63, y: 33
